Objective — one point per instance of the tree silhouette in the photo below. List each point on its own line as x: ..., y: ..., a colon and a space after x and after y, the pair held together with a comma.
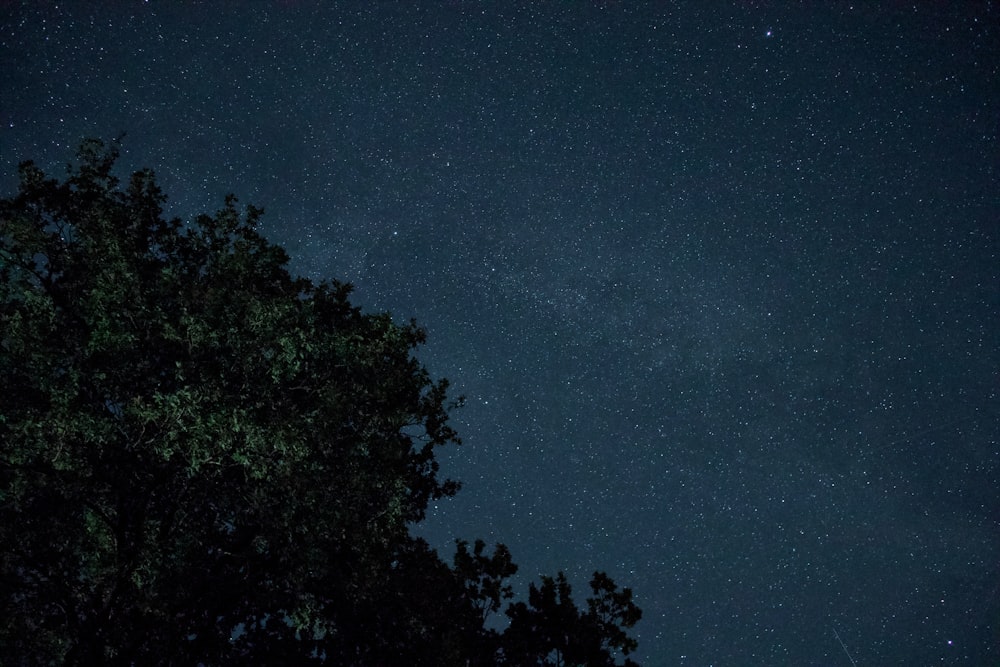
x: 551, y: 630
x: 205, y: 460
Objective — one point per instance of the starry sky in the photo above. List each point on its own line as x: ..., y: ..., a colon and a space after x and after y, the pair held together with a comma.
x: 719, y: 280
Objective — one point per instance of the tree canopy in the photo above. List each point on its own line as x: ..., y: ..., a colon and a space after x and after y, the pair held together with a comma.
x: 206, y: 460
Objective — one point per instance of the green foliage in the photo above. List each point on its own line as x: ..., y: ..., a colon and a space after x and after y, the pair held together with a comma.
x: 205, y: 460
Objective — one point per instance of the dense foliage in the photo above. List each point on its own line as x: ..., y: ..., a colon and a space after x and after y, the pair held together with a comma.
x: 206, y: 460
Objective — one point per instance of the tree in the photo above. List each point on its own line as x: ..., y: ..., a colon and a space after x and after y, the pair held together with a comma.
x: 205, y: 460
x: 550, y: 630
x: 184, y: 422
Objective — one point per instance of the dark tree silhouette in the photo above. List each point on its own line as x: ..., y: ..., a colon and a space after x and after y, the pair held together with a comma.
x: 206, y: 460
x: 550, y: 630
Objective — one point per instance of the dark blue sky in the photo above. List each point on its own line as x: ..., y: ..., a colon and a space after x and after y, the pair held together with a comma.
x: 721, y: 281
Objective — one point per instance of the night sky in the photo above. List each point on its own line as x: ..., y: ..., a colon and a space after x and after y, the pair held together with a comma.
x: 720, y: 281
